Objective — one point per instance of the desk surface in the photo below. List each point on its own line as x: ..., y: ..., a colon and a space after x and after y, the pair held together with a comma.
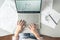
x: 9, y: 37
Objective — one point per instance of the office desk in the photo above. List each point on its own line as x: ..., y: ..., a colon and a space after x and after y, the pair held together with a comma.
x: 6, y: 37
x: 9, y: 37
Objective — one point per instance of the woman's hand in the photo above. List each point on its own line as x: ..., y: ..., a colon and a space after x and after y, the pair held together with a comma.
x: 33, y: 29
x: 20, y: 27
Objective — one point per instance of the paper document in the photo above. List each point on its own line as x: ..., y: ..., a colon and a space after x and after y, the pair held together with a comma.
x: 55, y: 15
x: 50, y: 18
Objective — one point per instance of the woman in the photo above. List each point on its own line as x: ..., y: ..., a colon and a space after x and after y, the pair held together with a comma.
x: 20, y: 27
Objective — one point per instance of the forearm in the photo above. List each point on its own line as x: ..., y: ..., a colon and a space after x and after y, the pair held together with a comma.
x: 37, y: 35
x: 16, y: 35
x: 18, y: 30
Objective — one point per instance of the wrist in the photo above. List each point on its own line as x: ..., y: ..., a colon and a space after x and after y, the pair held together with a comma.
x: 34, y: 32
x: 38, y: 39
x: 37, y: 35
x: 16, y: 35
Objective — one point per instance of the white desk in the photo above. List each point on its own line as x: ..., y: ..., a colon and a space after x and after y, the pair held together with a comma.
x: 3, y: 32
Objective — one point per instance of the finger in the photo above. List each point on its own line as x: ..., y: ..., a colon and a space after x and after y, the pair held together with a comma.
x: 34, y: 25
x: 18, y: 22
x: 30, y: 26
x: 23, y: 26
x: 23, y: 22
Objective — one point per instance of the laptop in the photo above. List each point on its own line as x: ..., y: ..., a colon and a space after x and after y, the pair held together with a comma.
x: 28, y: 6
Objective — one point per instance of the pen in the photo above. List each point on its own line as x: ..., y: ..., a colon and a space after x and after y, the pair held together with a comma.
x: 53, y: 19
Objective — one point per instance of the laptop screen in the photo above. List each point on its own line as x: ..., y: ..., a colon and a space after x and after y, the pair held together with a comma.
x: 28, y: 6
